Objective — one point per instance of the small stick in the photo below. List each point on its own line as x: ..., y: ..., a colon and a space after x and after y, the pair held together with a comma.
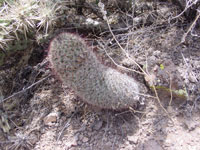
x: 190, y: 28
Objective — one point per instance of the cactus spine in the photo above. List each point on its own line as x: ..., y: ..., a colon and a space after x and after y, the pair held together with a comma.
x: 99, y: 85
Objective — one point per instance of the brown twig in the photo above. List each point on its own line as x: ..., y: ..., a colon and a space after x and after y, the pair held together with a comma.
x: 190, y: 28
x: 94, y: 9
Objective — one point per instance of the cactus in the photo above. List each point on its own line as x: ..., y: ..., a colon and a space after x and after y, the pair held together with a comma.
x: 78, y: 67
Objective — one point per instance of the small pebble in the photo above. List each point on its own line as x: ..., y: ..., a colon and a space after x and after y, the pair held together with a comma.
x: 85, y: 139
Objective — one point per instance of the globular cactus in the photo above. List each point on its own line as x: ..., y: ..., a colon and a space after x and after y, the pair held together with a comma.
x: 78, y: 67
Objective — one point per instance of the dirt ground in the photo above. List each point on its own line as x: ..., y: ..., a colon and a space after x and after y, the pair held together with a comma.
x: 49, y: 116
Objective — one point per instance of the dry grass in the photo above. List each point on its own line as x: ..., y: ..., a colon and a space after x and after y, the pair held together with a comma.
x: 18, y: 142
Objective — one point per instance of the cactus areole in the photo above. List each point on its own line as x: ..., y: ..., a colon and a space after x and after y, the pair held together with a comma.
x: 78, y: 68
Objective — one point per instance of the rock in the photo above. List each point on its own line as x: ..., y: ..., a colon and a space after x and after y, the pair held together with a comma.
x: 192, y: 78
x: 190, y: 125
x: 71, y: 143
x: 85, y: 139
x: 98, y: 125
x: 149, y: 145
x: 133, y: 139
x: 51, y: 119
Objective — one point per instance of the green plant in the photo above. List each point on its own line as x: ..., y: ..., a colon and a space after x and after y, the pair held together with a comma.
x: 78, y: 67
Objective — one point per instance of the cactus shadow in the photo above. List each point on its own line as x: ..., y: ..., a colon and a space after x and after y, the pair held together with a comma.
x: 106, y: 129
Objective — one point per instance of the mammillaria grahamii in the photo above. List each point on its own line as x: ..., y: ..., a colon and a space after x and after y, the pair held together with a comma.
x: 78, y: 67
